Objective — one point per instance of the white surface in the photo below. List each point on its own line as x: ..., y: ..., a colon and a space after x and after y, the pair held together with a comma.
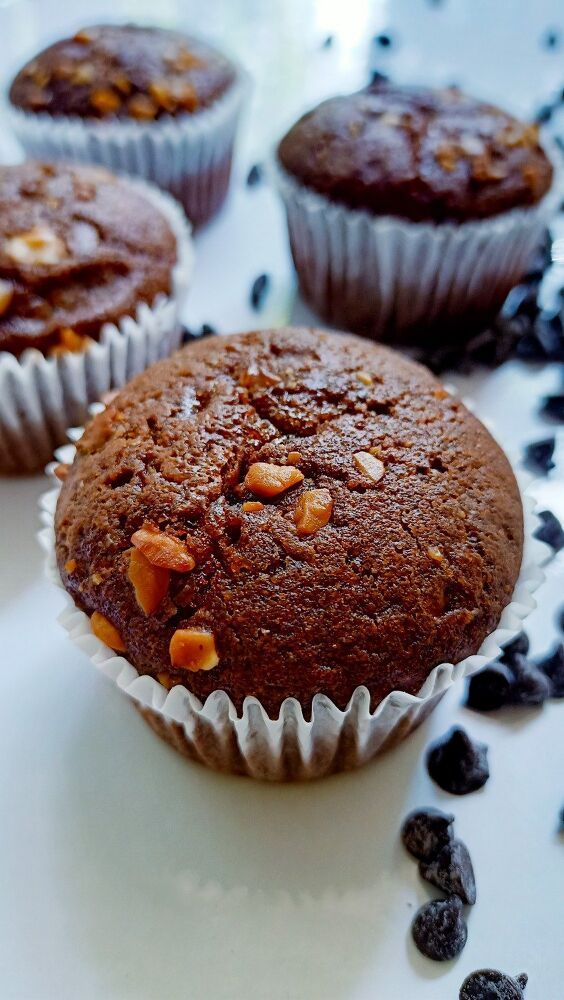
x: 125, y: 872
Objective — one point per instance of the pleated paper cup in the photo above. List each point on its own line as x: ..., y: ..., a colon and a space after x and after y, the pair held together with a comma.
x: 393, y: 279
x: 289, y: 747
x: 40, y: 397
x: 187, y: 155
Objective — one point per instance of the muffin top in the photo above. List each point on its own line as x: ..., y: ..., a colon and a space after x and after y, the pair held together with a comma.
x: 417, y: 153
x: 123, y: 71
x: 78, y: 248
x: 288, y: 512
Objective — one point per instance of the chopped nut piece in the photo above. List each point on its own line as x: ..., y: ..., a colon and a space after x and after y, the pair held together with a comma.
x: 364, y: 377
x: 294, y: 458
x: 485, y: 169
x: 162, y: 95
x: 182, y: 60
x: 252, y: 506
x: 70, y: 340
x: 122, y: 83
x: 84, y: 73
x: 96, y: 579
x: 193, y: 649
x: 162, y: 550
x: 447, y: 157
x: 268, y: 480
x: 313, y: 511
x: 61, y: 470
x: 434, y: 553
x: 150, y: 582
x: 39, y: 245
x: 440, y: 393
x: 70, y: 565
x: 166, y: 680
x: 106, y: 632
x: 257, y: 378
x: 142, y: 107
x: 369, y: 465
x: 83, y: 37
x: 105, y: 100
x: 6, y: 295
x: 185, y: 96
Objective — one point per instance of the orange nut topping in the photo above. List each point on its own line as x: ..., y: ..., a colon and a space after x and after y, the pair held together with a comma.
x: 268, y: 480
x: 193, y: 649
x: 70, y: 565
x: 39, y: 245
x: 6, y: 295
x: 313, y: 511
x: 365, y: 378
x: 142, y: 107
x: 252, y: 506
x: 61, y: 470
x: 106, y: 632
x: 369, y: 465
x: 294, y: 458
x: 162, y: 550
x: 435, y: 553
x: 105, y: 101
x: 70, y: 340
x: 150, y: 583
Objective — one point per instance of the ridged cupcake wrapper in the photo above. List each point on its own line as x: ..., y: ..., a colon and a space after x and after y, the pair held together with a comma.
x: 189, y: 156
x: 40, y: 397
x: 384, y: 275
x: 290, y: 747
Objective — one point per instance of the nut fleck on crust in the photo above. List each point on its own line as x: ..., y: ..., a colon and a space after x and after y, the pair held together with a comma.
x: 417, y: 153
x: 78, y: 248
x: 406, y: 572
x: 123, y: 71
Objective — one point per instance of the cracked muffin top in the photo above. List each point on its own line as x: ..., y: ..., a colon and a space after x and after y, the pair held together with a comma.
x: 78, y: 248
x: 417, y: 153
x: 287, y: 512
x: 123, y: 71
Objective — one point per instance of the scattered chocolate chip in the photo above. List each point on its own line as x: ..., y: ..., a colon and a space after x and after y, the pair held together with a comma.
x: 259, y: 289
x: 189, y: 335
x: 457, y: 763
x: 561, y: 821
x: 553, y: 407
x: 538, y: 455
x: 376, y: 77
x: 551, y: 39
x: 207, y: 330
x: 328, y: 42
x: 439, y: 929
x: 451, y: 870
x: 532, y: 686
x: 489, y: 984
x: 520, y: 644
x: 544, y: 114
x: 553, y: 667
x: 254, y: 175
x: 490, y: 689
x: 383, y: 40
x: 426, y: 831
x: 550, y: 530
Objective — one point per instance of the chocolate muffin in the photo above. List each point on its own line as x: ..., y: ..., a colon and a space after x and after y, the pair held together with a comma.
x: 288, y: 512
x: 123, y: 71
x: 417, y: 153
x: 78, y: 248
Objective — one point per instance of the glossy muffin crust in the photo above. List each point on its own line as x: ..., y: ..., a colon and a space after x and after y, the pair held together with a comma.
x: 417, y: 153
x: 288, y: 512
x: 123, y: 71
x: 78, y: 248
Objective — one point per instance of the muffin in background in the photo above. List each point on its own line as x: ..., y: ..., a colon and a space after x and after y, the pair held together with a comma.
x: 289, y: 514
x: 92, y: 269
x: 140, y: 100
x: 409, y: 208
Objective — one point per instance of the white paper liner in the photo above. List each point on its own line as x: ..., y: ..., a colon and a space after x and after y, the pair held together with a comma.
x: 289, y: 747
x: 384, y: 275
x: 40, y: 397
x: 188, y: 155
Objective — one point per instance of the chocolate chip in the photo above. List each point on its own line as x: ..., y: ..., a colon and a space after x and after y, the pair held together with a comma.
x: 207, y: 330
x: 376, y: 77
x: 328, y: 42
x: 383, y: 40
x: 553, y: 667
x: 490, y: 689
x: 544, y: 114
x: 426, y: 831
x: 561, y: 821
x: 259, y: 289
x: 538, y: 455
x: 451, y: 870
x: 254, y: 175
x: 553, y: 407
x: 489, y: 984
x: 457, y: 763
x: 550, y: 530
x: 520, y: 644
x: 439, y: 929
x: 189, y: 335
x: 551, y: 39
x: 532, y: 686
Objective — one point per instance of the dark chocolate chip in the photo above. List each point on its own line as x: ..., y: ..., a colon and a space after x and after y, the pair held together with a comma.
x: 520, y: 644
x: 551, y: 39
x: 457, y: 763
x: 207, y: 330
x: 532, y: 686
x: 550, y: 530
x: 490, y: 689
x: 451, y: 870
x: 439, y: 929
x: 553, y: 668
x: 376, y: 77
x: 189, y: 335
x: 538, y: 455
x: 254, y: 175
x: 328, y: 42
x: 544, y: 114
x: 553, y: 407
x: 259, y: 289
x: 383, y: 40
x: 561, y: 821
x: 426, y: 831
x: 489, y: 984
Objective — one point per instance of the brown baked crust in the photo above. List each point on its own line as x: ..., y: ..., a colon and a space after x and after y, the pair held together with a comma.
x: 410, y: 571
x: 123, y: 71
x: 417, y: 153
x: 112, y: 250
